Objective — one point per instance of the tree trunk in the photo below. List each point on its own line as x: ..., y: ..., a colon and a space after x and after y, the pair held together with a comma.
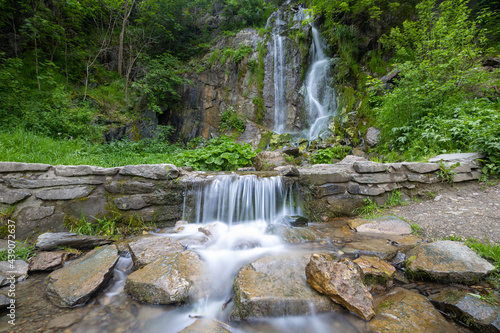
x: 126, y: 13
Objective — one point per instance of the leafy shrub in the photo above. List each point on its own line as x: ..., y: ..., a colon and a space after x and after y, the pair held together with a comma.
x: 230, y: 120
x: 326, y: 156
x: 218, y: 154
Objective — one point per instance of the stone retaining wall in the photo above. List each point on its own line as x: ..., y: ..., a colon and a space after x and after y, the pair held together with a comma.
x: 339, y: 189
x: 42, y: 197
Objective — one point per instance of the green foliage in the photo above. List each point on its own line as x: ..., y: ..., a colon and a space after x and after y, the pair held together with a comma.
x: 442, y: 101
x: 218, y: 154
x: 370, y: 209
x: 161, y: 81
x: 109, y: 226
x: 22, y: 251
x: 326, y: 156
x: 230, y: 120
x: 246, y: 13
x: 446, y: 172
x: 416, y: 229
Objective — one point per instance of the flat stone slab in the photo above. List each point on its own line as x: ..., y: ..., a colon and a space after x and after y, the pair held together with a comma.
x: 421, y: 167
x: 34, y: 213
x: 276, y: 286
x: 389, y: 225
x: 369, y: 167
x: 461, y: 158
x: 48, y: 261
x: 23, y: 167
x: 341, y: 281
x: 52, y: 240
x: 401, y: 310
x: 81, y: 279
x: 147, y: 249
x: 151, y: 171
x: 131, y: 202
x: 130, y: 187
x: 172, y: 279
x: 355, y: 188
x: 18, y: 270
x: 66, y: 193
x: 84, y: 170
x: 447, y: 261
x: 468, y: 308
x: 39, y: 183
x: 11, y: 197
x: 378, y: 178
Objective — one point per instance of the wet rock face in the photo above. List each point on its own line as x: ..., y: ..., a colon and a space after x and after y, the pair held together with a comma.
x: 78, y: 281
x: 403, y: 311
x: 275, y: 286
x: 342, y: 282
x: 50, y: 241
x: 376, y: 270
x: 148, y: 249
x: 447, y: 261
x: 173, y: 279
x: 468, y: 309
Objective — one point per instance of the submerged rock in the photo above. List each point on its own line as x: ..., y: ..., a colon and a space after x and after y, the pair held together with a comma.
x: 468, y: 309
x: 294, y: 235
x: 172, y: 279
x: 342, y: 282
x: 447, y: 261
x: 389, y: 225
x: 78, y: 281
x: 52, y: 240
x: 401, y: 310
x: 206, y: 325
x: 13, y: 273
x: 148, y: 249
x: 275, y: 286
x: 296, y: 221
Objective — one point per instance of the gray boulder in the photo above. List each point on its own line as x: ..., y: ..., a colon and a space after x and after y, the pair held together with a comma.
x: 469, y: 309
x: 80, y: 280
x: 148, y: 249
x: 172, y: 279
x: 372, y: 135
x: 50, y: 241
x: 275, y: 286
x: 447, y: 261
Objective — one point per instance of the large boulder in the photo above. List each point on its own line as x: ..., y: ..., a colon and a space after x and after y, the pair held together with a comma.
x: 469, y: 309
x: 52, y: 240
x: 148, y: 249
x: 447, y: 261
x: 275, y: 286
x: 342, y: 282
x: 78, y: 281
x: 401, y: 310
x: 172, y: 279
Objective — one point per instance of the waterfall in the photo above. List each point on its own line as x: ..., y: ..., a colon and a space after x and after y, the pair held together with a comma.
x: 320, y: 96
x: 280, y: 108
x: 238, y: 199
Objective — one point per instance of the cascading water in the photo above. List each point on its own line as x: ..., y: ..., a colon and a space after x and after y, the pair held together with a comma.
x: 320, y: 95
x: 280, y: 108
x: 241, y: 199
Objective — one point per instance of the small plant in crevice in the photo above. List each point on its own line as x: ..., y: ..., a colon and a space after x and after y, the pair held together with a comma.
x: 22, y: 251
x: 416, y: 229
x: 446, y: 172
x: 371, y: 209
x: 230, y: 120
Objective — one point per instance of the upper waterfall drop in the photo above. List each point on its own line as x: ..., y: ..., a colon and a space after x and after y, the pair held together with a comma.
x: 280, y: 108
x: 320, y: 95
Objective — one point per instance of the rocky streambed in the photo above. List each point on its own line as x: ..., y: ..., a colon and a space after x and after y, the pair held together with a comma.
x: 347, y: 275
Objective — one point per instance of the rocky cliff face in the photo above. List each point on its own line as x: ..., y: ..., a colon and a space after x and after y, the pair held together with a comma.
x: 238, y: 74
